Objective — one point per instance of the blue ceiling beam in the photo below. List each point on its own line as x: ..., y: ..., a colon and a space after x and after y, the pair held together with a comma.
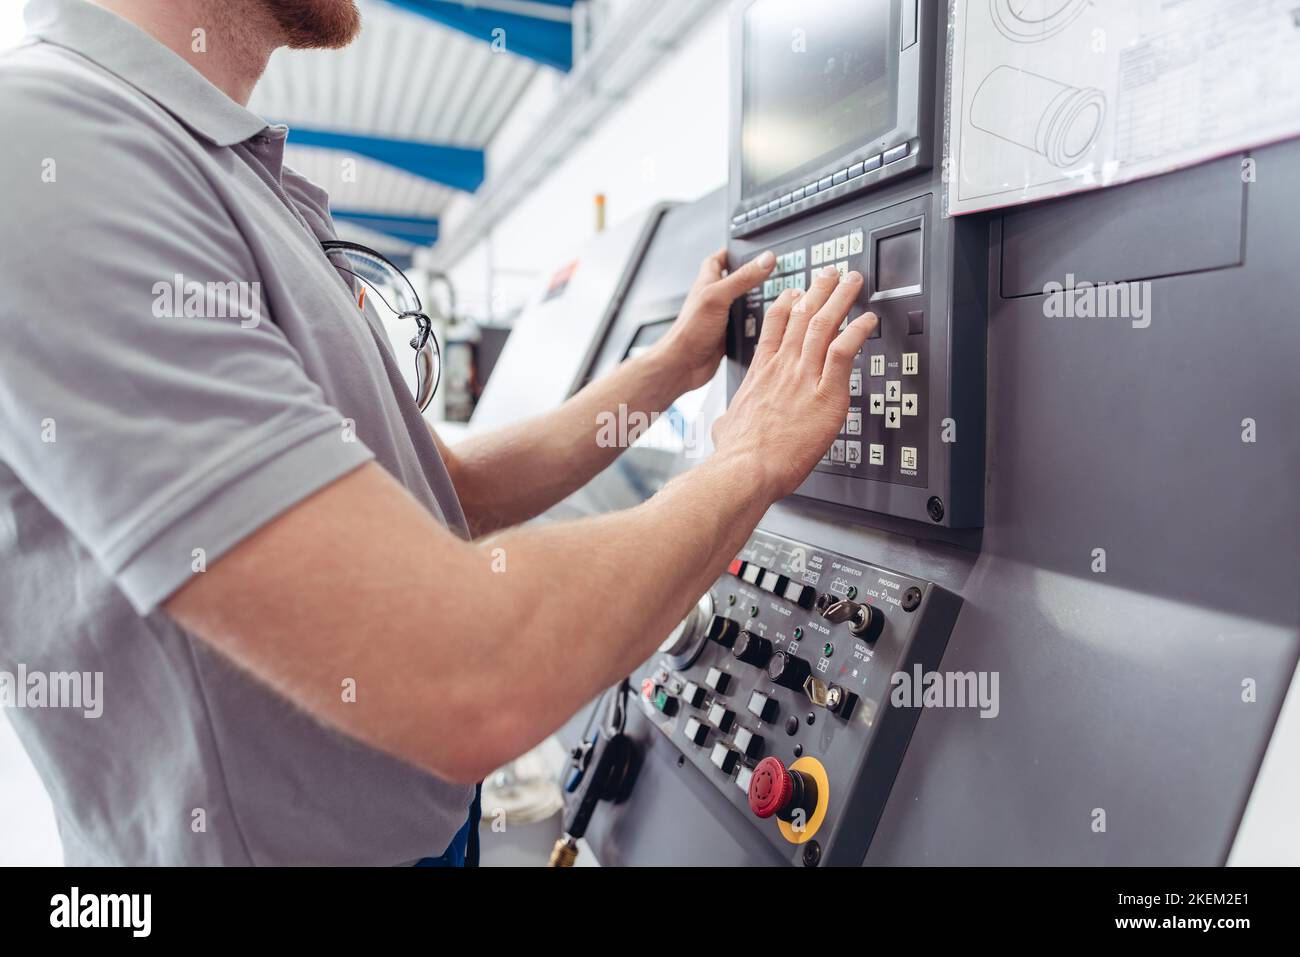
x: 418, y: 230
x: 544, y: 39
x: 456, y: 166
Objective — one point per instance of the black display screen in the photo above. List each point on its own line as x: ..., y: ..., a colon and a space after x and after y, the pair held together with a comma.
x: 820, y: 81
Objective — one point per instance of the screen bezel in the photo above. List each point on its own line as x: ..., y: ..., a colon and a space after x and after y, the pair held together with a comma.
x: 913, y: 113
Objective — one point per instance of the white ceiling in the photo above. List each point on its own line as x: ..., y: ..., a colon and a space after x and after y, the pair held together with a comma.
x: 405, y: 77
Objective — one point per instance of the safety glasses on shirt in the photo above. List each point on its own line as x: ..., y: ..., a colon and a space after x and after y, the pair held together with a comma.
x: 380, y: 275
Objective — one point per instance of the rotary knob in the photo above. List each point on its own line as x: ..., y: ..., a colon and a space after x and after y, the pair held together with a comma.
x: 752, y: 649
x: 776, y: 790
x: 684, y: 644
x: 788, y: 671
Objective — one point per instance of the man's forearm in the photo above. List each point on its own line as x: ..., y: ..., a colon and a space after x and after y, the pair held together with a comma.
x: 513, y: 474
x: 463, y: 655
x: 638, y: 570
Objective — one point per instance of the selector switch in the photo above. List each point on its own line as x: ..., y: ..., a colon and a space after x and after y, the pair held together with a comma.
x: 788, y: 671
x: 721, y: 718
x: 696, y: 731
x: 718, y: 680
x: 752, y: 649
x: 723, y: 630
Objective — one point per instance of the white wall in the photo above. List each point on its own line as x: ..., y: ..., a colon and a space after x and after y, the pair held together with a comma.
x: 668, y: 140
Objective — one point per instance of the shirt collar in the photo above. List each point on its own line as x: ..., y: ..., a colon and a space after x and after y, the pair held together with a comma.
x: 135, y: 57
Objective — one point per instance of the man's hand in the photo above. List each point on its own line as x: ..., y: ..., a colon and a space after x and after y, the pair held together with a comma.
x: 694, y: 345
x: 794, y: 397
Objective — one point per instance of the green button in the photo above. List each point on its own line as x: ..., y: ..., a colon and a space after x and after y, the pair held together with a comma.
x: 798, y: 632
x: 661, y: 700
x: 731, y: 599
x: 853, y: 592
x: 753, y: 611
x: 827, y: 650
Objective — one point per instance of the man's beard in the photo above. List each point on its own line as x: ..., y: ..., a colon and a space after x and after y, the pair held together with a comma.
x: 316, y: 24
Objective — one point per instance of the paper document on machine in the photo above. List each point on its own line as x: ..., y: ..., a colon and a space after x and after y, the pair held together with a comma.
x: 1055, y: 96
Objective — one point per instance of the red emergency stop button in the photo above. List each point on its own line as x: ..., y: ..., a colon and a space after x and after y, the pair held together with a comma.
x: 735, y: 567
x: 770, y: 788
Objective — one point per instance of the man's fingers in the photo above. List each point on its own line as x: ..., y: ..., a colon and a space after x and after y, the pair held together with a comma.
x: 823, y: 284
x: 839, y: 357
x: 746, y: 277
x: 826, y: 321
x: 774, y: 321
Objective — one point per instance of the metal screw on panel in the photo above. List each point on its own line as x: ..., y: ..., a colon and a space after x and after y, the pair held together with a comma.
x: 912, y: 599
x: 812, y: 854
x: 935, y: 508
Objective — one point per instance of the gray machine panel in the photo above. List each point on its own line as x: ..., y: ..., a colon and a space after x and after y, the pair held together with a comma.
x: 1193, y: 222
x: 1120, y: 690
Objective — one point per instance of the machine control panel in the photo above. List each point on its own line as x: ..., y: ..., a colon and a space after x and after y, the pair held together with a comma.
x: 859, y: 112
x: 777, y: 687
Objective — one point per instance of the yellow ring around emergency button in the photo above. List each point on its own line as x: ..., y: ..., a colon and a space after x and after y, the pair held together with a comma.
x: 813, y: 768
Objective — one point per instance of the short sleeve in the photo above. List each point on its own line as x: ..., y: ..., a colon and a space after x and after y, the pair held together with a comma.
x: 147, y: 398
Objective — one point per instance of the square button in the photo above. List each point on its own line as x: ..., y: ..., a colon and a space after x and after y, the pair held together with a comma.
x: 843, y: 268
x: 769, y: 288
x: 853, y: 452
x: 855, y: 242
x: 893, y: 390
x: 892, y: 419
x: 816, y: 254
x: 751, y: 327
x: 837, y: 452
x: 916, y: 322
x: 911, y: 363
x: 909, y: 458
x: 853, y: 423
x: 855, y: 382
x: 911, y: 405
x: 799, y: 262
x: 828, y: 251
x: 877, y: 405
x: 877, y: 453
x: 878, y: 364
x: 800, y: 280
x: 841, y: 246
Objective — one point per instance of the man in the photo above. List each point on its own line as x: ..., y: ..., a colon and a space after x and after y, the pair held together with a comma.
x: 309, y: 653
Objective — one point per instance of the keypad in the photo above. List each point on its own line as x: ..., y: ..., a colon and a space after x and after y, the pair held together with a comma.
x: 883, y: 432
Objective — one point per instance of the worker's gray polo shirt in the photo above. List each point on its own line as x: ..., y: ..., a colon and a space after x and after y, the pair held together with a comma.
x: 140, y: 423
